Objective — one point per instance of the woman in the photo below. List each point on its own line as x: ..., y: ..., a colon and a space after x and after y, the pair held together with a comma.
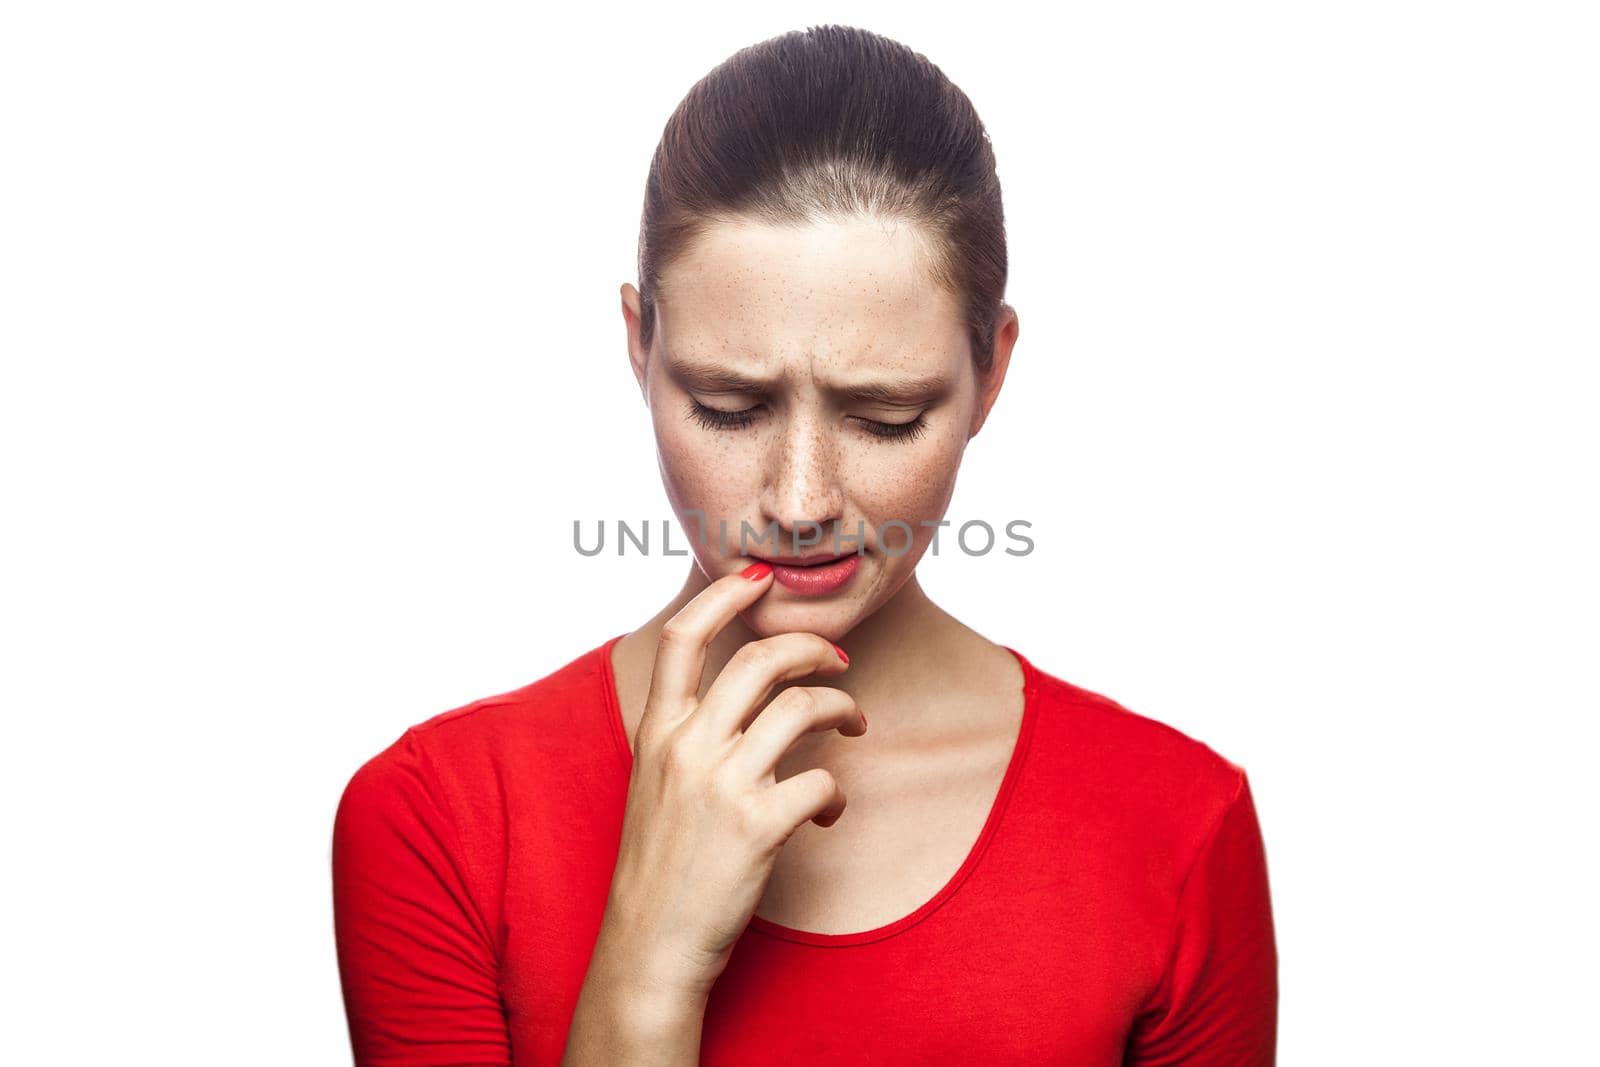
x: 687, y: 845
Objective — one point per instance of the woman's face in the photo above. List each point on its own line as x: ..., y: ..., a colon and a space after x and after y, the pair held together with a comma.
x: 816, y: 385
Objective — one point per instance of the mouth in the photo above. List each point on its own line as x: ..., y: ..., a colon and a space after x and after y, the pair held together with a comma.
x: 815, y: 560
x: 814, y: 575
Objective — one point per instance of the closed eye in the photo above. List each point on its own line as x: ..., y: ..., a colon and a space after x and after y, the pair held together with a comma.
x: 716, y: 419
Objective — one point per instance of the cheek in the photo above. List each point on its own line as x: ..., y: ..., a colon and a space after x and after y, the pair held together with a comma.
x: 700, y: 469
x: 907, y: 482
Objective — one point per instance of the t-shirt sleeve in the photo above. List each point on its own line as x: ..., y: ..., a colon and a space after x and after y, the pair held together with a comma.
x: 1217, y: 1001
x: 417, y: 962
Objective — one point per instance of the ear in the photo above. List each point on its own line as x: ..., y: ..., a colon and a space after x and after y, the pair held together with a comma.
x: 638, y: 357
x: 1006, y: 329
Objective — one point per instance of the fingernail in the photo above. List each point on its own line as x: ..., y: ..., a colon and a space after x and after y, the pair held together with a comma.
x: 757, y: 571
x: 839, y: 650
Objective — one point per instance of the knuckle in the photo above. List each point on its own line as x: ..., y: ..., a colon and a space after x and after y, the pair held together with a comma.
x: 800, y: 702
x: 677, y: 757
x: 756, y: 656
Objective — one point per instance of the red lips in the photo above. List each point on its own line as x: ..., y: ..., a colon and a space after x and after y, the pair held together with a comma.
x: 818, y: 578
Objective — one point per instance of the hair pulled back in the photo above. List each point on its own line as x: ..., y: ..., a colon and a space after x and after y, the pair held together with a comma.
x: 824, y: 124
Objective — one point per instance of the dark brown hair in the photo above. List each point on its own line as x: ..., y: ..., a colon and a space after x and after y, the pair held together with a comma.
x: 827, y: 123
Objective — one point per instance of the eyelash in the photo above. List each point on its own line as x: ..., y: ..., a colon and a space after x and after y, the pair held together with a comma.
x: 713, y: 419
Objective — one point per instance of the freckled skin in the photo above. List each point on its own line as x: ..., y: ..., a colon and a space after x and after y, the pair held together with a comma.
x: 834, y: 303
x: 805, y: 312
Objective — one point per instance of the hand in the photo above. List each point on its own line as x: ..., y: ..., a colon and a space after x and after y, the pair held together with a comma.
x: 706, y: 817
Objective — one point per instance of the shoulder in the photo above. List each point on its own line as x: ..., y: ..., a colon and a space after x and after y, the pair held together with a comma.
x: 1136, y: 778
x: 1128, y: 742
x: 494, y: 742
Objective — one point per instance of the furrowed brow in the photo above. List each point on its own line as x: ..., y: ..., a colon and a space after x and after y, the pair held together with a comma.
x: 904, y: 391
x: 899, y: 391
x: 712, y: 376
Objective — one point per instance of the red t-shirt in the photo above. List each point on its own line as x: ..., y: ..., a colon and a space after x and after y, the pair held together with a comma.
x: 1114, y: 909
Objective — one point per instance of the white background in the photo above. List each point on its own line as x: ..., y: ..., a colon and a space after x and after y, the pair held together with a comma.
x: 313, y: 351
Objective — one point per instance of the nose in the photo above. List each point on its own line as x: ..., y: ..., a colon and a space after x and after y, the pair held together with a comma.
x: 801, y: 485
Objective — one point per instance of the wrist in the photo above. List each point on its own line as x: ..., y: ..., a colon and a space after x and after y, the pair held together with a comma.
x: 623, y: 1016
x: 628, y: 979
x: 636, y: 960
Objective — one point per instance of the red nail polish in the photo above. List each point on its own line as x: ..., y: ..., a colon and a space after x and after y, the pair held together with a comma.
x: 757, y: 571
x: 839, y: 650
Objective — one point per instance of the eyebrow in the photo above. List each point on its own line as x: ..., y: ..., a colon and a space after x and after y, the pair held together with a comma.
x: 914, y: 390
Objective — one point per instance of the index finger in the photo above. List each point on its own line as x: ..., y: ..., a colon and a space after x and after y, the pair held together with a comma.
x: 681, y: 652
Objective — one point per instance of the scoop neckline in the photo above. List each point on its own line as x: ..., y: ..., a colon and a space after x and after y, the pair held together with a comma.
x: 997, y: 809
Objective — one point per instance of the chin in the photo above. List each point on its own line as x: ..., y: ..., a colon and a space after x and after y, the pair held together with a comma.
x: 832, y: 619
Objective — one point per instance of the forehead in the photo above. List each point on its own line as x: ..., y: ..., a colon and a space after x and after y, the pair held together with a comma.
x: 857, y: 289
